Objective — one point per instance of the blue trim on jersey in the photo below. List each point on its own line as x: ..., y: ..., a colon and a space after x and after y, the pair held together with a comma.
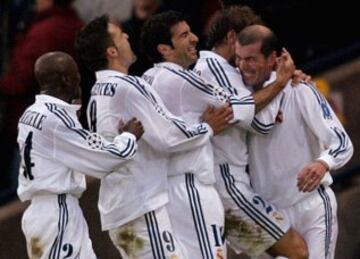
x: 196, y: 78
x: 137, y: 84
x: 342, y: 145
x: 198, y: 217
x: 249, y: 209
x: 62, y: 223
x: 192, y: 80
x: 196, y: 81
x: 183, y: 129
x: 216, y: 73
x: 230, y: 86
x: 201, y: 129
x: 70, y: 124
x: 220, y: 75
x: 158, y: 233
x: 66, y: 116
x: 149, y: 96
x: 154, y: 248
x: 154, y: 234
x: 261, y: 127
x: 318, y: 96
x: 127, y: 152
x: 328, y: 218
x: 66, y: 119
x: 247, y: 100
x: 324, y: 105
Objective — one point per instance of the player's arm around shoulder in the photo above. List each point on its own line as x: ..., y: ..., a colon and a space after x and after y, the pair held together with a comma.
x: 86, y: 151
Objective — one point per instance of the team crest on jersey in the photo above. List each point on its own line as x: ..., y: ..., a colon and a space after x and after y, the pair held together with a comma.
x: 94, y: 141
x: 326, y: 111
x: 278, y: 216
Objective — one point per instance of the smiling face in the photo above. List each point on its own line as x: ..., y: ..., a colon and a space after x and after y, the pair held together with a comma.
x: 184, y: 45
x: 254, y: 67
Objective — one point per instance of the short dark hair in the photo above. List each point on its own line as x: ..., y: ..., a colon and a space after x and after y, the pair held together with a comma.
x: 92, y: 41
x: 157, y: 30
x: 234, y: 17
x: 254, y: 33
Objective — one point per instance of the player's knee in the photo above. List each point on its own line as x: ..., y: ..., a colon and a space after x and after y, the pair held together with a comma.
x: 291, y: 245
x: 300, y: 249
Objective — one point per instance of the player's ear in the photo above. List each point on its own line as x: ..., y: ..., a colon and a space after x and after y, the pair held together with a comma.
x: 164, y: 50
x: 111, y: 52
x: 66, y: 81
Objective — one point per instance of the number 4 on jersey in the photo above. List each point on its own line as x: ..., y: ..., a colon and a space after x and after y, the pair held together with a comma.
x: 27, y: 158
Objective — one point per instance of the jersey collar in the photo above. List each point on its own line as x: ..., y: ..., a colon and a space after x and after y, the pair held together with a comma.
x: 44, y: 98
x: 107, y: 73
x: 211, y: 54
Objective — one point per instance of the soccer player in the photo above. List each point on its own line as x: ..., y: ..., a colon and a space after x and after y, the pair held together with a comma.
x: 56, y: 153
x: 250, y: 228
x: 133, y: 204
x: 169, y: 42
x: 290, y: 166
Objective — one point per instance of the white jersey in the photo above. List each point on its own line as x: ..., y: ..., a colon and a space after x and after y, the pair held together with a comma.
x: 309, y: 131
x: 56, y: 151
x: 186, y: 94
x: 142, y: 184
x: 265, y: 225
x: 230, y: 146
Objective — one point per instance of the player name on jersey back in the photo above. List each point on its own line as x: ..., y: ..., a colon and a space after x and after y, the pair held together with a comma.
x: 107, y: 89
x: 33, y: 119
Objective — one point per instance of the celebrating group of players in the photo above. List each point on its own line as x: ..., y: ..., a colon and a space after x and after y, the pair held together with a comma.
x: 237, y: 149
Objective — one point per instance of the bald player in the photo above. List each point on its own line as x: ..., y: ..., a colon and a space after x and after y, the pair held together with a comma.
x: 56, y: 152
x: 290, y: 166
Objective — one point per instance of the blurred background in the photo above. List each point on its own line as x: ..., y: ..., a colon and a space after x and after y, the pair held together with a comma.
x: 322, y: 36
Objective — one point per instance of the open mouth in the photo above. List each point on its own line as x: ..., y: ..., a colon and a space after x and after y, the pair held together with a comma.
x: 193, y: 50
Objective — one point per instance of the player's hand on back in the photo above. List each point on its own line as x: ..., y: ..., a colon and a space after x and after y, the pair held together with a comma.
x: 218, y: 118
x: 285, y: 67
x: 133, y: 126
x: 299, y: 76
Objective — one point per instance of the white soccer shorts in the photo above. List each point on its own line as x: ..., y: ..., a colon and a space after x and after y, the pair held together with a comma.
x: 148, y: 237
x: 252, y: 225
x: 54, y: 227
x: 197, y: 215
x: 316, y: 220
